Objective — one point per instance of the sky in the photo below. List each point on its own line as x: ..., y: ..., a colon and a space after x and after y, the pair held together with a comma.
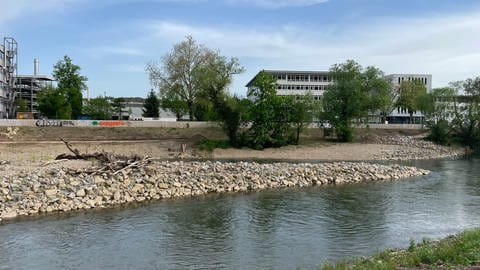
x: 113, y: 40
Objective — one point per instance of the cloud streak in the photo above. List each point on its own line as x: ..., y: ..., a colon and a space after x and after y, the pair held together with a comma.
x: 13, y: 9
x: 445, y: 46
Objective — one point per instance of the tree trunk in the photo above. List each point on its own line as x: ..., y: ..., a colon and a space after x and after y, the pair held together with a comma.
x: 190, y: 110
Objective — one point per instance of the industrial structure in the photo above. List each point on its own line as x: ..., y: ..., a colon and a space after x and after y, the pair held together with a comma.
x: 27, y: 87
x: 14, y: 87
x: 8, y: 73
x: 297, y: 83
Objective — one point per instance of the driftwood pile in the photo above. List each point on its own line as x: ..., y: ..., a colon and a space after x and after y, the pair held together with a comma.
x: 108, y: 162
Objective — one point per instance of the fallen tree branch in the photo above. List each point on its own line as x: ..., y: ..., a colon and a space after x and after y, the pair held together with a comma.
x: 109, y: 162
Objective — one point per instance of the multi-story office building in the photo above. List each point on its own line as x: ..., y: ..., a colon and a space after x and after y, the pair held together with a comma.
x: 316, y: 82
x: 298, y: 82
x: 8, y: 71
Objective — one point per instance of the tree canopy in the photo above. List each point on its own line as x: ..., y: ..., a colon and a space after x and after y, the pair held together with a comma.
x: 151, y: 105
x: 71, y: 84
x: 52, y: 103
x: 98, y: 108
x: 190, y: 72
x: 354, y: 92
x: 411, y: 95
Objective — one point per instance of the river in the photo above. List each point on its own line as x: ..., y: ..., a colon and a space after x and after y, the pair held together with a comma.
x: 277, y: 229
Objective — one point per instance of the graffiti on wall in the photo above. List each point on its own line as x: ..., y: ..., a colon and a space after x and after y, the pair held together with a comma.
x: 108, y: 123
x: 53, y: 123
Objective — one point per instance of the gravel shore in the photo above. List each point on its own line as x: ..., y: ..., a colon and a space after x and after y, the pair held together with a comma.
x: 57, y: 187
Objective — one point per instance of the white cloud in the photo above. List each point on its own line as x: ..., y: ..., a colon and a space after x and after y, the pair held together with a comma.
x: 102, y: 51
x: 278, y: 3
x: 445, y: 46
x: 13, y: 9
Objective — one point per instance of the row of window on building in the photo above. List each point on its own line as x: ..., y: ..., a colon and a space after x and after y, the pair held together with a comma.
x: 302, y: 87
x: 303, y: 78
x: 422, y: 79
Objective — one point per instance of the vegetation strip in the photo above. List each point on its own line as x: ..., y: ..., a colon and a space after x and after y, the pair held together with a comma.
x: 60, y: 188
x: 454, y: 252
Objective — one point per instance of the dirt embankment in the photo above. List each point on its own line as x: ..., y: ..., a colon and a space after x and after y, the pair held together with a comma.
x: 34, y: 146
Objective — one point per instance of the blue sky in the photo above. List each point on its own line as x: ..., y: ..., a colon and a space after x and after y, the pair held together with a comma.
x: 112, y: 40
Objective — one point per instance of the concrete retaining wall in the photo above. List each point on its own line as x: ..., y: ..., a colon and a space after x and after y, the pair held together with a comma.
x: 159, y: 124
x: 103, y: 123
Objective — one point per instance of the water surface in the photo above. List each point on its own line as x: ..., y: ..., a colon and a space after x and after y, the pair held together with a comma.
x: 279, y: 229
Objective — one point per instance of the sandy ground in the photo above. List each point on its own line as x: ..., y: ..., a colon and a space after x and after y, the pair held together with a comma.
x: 34, y: 153
x: 337, y: 152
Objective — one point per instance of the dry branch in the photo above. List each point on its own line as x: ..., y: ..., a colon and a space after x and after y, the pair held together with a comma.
x: 109, y: 162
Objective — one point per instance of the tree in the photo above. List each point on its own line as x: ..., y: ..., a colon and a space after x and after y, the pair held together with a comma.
x: 179, y: 72
x: 99, y: 108
x: 303, y: 109
x: 191, y: 72
x: 21, y: 105
x: 354, y: 93
x: 270, y: 114
x: 233, y: 114
x: 52, y: 103
x: 71, y: 83
x: 472, y: 87
x: 410, y: 94
x: 381, y: 94
x: 173, y: 103
x: 118, y: 106
x: 151, y: 105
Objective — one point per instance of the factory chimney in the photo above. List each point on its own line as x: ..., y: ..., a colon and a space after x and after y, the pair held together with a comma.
x: 35, y: 67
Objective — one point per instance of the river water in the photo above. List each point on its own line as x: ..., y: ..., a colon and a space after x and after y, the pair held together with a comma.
x: 280, y: 229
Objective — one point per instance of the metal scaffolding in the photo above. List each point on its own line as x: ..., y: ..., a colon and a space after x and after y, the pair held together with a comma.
x: 8, y: 75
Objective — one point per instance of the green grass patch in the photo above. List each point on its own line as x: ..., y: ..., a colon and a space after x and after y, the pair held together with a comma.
x: 210, y: 145
x: 456, y: 252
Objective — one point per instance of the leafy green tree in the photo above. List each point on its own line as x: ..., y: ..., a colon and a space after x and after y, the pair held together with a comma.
x: 21, y: 105
x: 270, y: 114
x: 302, y: 111
x: 472, y: 87
x: 354, y: 93
x: 71, y: 83
x: 233, y: 114
x: 173, y: 103
x: 99, y: 108
x: 191, y: 72
x: 118, y: 106
x: 381, y: 94
x: 151, y: 105
x: 52, y: 103
x: 410, y: 92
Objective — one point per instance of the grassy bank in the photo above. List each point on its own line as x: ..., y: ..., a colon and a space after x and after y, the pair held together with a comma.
x: 455, y: 252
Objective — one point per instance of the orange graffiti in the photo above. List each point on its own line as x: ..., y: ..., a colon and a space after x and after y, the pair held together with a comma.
x: 111, y: 123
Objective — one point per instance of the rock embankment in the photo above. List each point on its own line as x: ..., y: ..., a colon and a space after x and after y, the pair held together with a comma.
x: 58, y: 189
x: 415, y: 148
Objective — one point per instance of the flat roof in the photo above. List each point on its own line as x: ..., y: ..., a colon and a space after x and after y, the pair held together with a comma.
x: 319, y: 72
x: 38, y: 77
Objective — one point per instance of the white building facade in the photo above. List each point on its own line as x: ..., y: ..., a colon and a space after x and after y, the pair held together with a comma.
x: 295, y: 83
x: 289, y: 82
x: 400, y: 115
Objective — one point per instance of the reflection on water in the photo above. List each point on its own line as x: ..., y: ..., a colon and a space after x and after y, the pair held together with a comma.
x: 279, y: 229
